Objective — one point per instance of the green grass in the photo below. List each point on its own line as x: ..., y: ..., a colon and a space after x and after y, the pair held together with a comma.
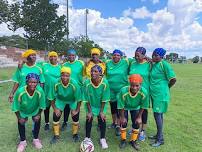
x: 182, y: 129
x: 6, y: 73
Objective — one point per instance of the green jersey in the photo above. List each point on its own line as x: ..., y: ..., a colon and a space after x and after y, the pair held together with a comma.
x: 70, y: 94
x: 128, y: 102
x: 51, y: 74
x: 117, y: 76
x: 142, y: 69
x: 20, y: 74
x: 95, y: 95
x: 160, y: 76
x: 27, y: 105
x: 77, y: 68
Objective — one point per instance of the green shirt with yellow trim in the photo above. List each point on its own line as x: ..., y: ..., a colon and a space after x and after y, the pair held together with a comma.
x: 20, y: 74
x: 95, y: 95
x: 27, y: 105
x: 160, y: 75
x: 78, y: 70
x: 128, y: 102
x: 117, y: 76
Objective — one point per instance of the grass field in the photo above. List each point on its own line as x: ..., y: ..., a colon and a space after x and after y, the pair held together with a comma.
x: 182, y: 129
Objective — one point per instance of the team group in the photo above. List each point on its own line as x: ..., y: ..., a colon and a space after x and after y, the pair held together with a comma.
x: 130, y: 86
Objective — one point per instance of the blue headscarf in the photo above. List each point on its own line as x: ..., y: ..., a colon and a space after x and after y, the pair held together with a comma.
x: 142, y: 50
x: 160, y: 51
x: 32, y: 75
x: 97, y: 67
x: 118, y: 51
x: 71, y: 51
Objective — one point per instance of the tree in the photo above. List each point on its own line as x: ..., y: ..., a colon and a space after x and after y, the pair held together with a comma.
x: 195, y: 59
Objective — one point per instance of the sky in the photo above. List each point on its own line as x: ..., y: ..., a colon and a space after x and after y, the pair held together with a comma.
x: 175, y: 25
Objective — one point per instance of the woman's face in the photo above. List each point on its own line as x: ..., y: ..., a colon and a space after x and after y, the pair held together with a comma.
x: 156, y: 57
x: 139, y: 56
x: 32, y: 83
x: 31, y: 58
x: 71, y: 57
x: 53, y: 60
x: 134, y: 87
x: 116, y: 57
x: 95, y: 57
x: 95, y: 74
x: 65, y: 77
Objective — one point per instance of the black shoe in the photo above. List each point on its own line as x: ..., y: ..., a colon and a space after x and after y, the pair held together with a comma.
x: 75, y: 137
x: 122, y: 144
x: 157, y: 143
x: 64, y: 126
x: 152, y: 137
x: 47, y: 127
x: 117, y: 131
x: 54, y: 140
x: 135, y: 145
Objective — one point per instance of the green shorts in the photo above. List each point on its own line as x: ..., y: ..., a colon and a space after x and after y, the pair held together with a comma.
x: 61, y: 105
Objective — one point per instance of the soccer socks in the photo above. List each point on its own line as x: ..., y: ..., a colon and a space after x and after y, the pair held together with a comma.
x: 134, y: 135
x: 123, y: 133
x: 75, y: 127
x: 56, y: 128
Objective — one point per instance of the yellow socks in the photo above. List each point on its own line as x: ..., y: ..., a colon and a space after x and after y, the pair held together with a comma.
x: 134, y: 134
x: 56, y: 128
x: 75, y: 127
x: 123, y: 133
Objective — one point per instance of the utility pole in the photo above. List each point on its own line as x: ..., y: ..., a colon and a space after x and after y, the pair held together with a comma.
x: 86, y: 14
x: 67, y: 19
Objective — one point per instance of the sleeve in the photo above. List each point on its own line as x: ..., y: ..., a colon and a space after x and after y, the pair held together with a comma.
x: 169, y: 71
x: 42, y: 100
x: 16, y: 76
x: 85, y: 93
x: 145, y: 101
x: 16, y: 103
x: 120, y: 100
x: 106, y: 93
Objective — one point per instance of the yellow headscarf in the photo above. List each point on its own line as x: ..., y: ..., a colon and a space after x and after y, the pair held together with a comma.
x: 52, y: 53
x: 65, y: 70
x: 95, y: 51
x: 28, y: 53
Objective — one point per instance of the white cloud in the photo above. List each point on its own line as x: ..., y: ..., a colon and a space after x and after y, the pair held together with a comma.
x: 155, y: 1
x: 139, y: 13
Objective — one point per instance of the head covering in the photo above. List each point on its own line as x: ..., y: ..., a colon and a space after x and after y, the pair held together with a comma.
x: 160, y: 51
x: 95, y: 51
x: 28, y: 53
x: 52, y: 53
x: 65, y: 70
x: 97, y: 67
x: 71, y: 51
x: 142, y: 50
x: 118, y: 52
x: 135, y: 78
x: 32, y: 75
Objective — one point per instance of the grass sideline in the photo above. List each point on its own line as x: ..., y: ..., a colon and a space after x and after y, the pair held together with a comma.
x: 182, y: 127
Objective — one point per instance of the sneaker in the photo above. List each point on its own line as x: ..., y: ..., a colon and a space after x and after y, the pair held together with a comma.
x: 47, y: 127
x: 122, y: 144
x: 37, y: 143
x: 21, y: 146
x: 54, y: 140
x: 87, y: 139
x: 113, y: 125
x: 157, y: 143
x: 135, y: 145
x: 142, y: 136
x: 117, y: 131
x: 103, y: 143
x: 64, y: 126
x: 75, y: 137
x: 154, y: 137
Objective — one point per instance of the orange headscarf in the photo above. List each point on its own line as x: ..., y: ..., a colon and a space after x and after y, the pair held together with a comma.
x: 136, y: 78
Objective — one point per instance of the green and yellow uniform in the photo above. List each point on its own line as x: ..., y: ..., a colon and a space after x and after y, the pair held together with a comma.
x: 78, y: 70
x: 117, y: 76
x: 95, y: 95
x: 70, y: 94
x: 90, y: 64
x: 27, y: 105
x: 160, y: 76
x: 51, y: 74
x: 20, y: 74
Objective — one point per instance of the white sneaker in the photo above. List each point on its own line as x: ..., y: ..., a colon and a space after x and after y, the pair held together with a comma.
x: 103, y: 143
x: 21, y: 147
x: 87, y: 139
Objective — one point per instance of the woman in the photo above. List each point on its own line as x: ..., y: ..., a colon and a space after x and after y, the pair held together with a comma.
x: 29, y: 101
x: 95, y: 54
x: 77, y: 73
x: 141, y: 66
x: 132, y: 98
x: 51, y: 71
x: 19, y: 77
x: 96, y: 94
x: 162, y: 78
x: 66, y: 91
x: 117, y: 76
